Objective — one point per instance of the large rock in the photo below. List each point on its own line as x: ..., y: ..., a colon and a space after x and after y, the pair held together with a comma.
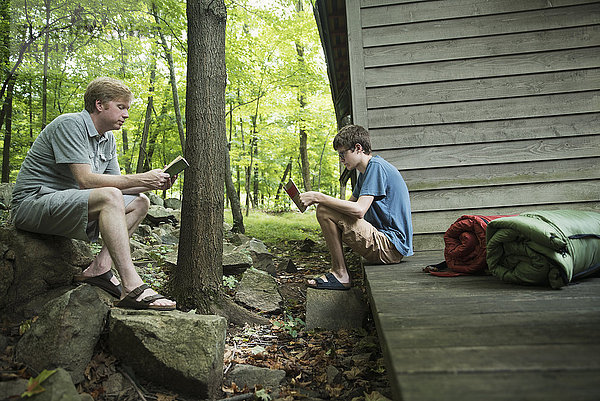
x: 5, y: 195
x: 157, y: 215
x: 262, y: 259
x: 258, y: 290
x: 65, y: 333
x: 173, y: 203
x: 332, y: 310
x: 31, y: 264
x: 253, y: 376
x: 181, y: 351
x: 58, y: 387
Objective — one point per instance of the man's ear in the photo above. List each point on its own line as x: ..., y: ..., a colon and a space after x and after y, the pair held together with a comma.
x: 99, y: 106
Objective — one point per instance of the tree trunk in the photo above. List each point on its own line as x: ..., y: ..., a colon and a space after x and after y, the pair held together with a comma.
x: 287, y: 171
x: 45, y: 75
x: 304, y: 162
x: 125, y: 138
x: 172, y: 80
x: 142, y: 154
x: 197, y: 280
x: 8, y: 132
x: 232, y: 195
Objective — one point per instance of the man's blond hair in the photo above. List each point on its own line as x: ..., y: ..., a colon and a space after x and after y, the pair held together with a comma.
x: 105, y: 89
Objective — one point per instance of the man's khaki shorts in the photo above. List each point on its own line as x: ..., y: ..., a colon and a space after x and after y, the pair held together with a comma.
x: 63, y: 213
x: 365, y: 240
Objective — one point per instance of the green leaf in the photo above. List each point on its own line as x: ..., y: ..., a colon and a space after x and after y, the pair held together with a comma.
x: 34, y: 385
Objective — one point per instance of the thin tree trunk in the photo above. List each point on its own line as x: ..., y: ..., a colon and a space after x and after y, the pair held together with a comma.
x: 234, y: 199
x: 142, y: 154
x: 172, y: 80
x: 45, y: 74
x: 304, y: 162
x: 8, y: 132
x: 287, y: 171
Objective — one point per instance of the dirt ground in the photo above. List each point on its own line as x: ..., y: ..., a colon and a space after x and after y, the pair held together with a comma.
x: 336, y: 365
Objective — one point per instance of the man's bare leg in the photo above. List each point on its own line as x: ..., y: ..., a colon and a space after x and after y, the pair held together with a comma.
x: 327, y: 218
x: 135, y: 212
x: 106, y: 206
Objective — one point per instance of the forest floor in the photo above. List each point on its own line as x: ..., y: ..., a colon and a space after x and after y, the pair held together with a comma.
x: 319, y: 364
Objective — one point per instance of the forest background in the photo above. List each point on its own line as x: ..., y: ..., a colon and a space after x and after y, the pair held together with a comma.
x: 279, y: 112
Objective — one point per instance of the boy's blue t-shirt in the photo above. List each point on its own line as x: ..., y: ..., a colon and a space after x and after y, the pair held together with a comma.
x: 390, y: 210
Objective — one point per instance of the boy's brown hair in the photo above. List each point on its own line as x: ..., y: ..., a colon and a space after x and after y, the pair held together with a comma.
x: 105, y: 89
x: 350, y: 135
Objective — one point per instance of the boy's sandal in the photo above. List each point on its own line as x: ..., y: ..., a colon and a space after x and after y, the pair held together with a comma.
x: 332, y: 283
x: 130, y: 301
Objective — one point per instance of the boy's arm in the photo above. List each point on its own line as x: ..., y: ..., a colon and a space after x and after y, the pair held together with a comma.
x: 353, y: 207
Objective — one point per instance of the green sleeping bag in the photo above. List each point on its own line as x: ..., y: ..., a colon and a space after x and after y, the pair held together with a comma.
x: 545, y: 247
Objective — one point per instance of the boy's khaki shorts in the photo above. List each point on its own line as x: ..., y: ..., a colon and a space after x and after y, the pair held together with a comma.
x: 365, y: 240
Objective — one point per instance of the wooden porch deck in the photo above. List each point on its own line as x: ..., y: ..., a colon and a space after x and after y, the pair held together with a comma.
x: 478, y: 338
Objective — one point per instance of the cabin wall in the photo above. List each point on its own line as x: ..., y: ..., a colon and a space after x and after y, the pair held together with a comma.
x: 485, y: 107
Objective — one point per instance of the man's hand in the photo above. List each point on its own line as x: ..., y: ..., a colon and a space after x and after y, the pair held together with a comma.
x: 156, y: 179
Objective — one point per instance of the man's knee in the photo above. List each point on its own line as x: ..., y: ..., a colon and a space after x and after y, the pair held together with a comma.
x: 107, y: 197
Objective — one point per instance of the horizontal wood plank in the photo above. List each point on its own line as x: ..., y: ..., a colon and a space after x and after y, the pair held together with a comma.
x: 437, y: 222
x: 511, y: 173
x: 377, y: 3
x: 516, y: 196
x: 433, y: 11
x: 483, y: 88
x: 470, y: 48
x: 551, y: 18
x: 547, y: 385
x: 484, y: 131
x: 486, y: 110
x: 487, y: 67
x: 560, y: 148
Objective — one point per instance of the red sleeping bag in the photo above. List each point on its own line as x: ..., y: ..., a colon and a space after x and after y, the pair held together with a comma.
x: 464, y: 250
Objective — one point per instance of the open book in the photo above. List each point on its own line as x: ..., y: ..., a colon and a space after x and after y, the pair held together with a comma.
x: 176, y: 166
x: 292, y: 191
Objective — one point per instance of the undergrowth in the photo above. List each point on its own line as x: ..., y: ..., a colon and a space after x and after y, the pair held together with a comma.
x: 274, y: 227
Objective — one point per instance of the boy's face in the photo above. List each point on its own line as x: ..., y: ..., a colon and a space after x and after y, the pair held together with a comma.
x: 349, y: 157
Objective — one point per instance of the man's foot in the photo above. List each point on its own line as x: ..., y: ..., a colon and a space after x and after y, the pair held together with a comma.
x: 328, y: 282
x: 107, y: 281
x: 143, y: 297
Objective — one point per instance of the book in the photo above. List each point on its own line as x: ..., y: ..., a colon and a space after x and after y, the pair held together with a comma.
x: 176, y: 166
x: 292, y: 191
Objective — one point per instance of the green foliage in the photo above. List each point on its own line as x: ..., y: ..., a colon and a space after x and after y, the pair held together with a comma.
x: 292, y: 325
x: 266, y: 78
x: 230, y: 282
x: 273, y: 228
x: 34, y: 385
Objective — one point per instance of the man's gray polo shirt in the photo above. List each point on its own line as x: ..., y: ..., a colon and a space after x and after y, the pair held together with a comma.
x: 68, y: 139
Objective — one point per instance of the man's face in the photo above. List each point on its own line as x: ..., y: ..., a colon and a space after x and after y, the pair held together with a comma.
x: 114, y: 113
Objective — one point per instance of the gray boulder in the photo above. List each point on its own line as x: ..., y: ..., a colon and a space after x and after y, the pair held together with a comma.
x: 258, y: 290
x: 172, y: 203
x: 31, y: 264
x: 155, y: 199
x: 5, y: 195
x: 253, y: 376
x: 157, y: 215
x: 333, y: 310
x: 181, y: 351
x: 65, y: 333
x: 262, y: 259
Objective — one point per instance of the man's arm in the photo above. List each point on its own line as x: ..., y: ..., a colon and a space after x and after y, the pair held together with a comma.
x: 352, y: 207
x: 130, y: 183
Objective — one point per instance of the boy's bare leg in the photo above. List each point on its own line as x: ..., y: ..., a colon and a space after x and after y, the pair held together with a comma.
x: 106, y: 206
x: 327, y: 218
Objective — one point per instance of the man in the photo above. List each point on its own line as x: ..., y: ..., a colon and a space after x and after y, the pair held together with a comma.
x: 70, y: 185
x: 375, y: 222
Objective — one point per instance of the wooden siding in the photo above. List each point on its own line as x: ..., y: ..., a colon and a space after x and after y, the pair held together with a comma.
x: 485, y: 107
